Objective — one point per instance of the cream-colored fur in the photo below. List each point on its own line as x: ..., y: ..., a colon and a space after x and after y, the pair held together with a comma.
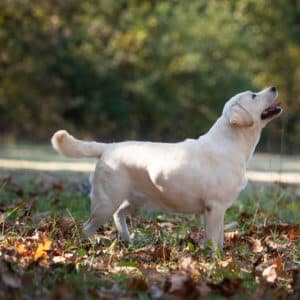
x: 203, y: 175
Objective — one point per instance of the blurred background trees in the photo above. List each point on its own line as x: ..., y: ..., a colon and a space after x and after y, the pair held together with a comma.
x: 139, y: 69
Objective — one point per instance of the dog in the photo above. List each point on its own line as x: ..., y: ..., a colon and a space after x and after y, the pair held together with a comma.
x: 201, y: 176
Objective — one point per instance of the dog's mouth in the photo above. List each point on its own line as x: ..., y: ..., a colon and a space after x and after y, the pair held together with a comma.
x: 273, y: 110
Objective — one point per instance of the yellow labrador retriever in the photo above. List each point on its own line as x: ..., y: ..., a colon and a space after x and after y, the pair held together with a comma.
x: 203, y: 175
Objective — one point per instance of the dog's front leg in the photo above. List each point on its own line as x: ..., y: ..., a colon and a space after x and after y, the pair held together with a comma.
x: 221, y: 236
x: 214, y: 223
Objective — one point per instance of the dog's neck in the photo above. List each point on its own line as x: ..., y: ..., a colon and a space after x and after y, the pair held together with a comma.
x: 241, y: 141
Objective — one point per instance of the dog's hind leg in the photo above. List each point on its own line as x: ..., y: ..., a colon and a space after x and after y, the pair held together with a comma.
x: 109, y: 189
x: 100, y: 214
x: 120, y: 220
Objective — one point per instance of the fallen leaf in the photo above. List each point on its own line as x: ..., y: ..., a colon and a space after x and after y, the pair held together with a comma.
x: 138, y: 284
x: 257, y: 260
x: 166, y: 225
x: 21, y: 249
x: 293, y: 234
x: 281, y: 228
x: 231, y: 235
x: 44, y: 246
x: 226, y: 262
x: 270, y: 274
x: 257, y: 246
x: 162, y: 253
x: 59, y: 259
x: 279, y: 264
x: 188, y: 264
x: 66, y: 224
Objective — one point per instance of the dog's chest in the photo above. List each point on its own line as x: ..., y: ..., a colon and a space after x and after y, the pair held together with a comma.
x: 191, y: 188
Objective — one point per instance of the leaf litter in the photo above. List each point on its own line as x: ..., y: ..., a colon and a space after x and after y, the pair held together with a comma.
x: 167, y: 259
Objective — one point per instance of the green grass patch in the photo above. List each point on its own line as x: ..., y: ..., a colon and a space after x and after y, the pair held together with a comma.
x: 44, y: 256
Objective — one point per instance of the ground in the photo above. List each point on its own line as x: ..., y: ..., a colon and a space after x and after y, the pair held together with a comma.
x: 43, y: 255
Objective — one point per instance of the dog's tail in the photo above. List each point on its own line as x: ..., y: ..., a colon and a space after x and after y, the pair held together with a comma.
x: 67, y: 145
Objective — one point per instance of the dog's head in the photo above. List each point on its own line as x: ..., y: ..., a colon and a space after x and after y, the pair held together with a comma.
x: 247, y: 109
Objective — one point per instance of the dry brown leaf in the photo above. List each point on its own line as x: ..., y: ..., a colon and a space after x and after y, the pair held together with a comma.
x: 226, y: 262
x: 59, y: 259
x: 257, y: 246
x: 44, y: 246
x: 272, y: 245
x: 162, y: 253
x: 270, y: 274
x: 293, y: 234
x: 257, y: 260
x: 138, y: 284
x: 65, y: 224
x: 189, y: 265
x: 166, y: 225
x: 279, y: 264
x: 186, y: 262
x: 230, y: 235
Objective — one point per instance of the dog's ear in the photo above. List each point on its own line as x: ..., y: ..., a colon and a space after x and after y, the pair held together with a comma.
x: 239, y: 116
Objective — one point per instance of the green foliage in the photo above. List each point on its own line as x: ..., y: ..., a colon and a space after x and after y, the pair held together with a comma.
x: 142, y: 69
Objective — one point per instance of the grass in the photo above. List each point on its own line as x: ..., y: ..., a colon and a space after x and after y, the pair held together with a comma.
x: 42, y: 253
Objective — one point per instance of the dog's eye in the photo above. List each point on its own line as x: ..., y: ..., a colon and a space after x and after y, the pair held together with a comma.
x: 253, y: 96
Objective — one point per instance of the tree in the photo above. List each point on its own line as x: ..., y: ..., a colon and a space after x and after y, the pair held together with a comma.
x: 142, y: 69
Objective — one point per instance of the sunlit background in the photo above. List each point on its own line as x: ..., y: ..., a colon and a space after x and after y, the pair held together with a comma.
x: 149, y: 70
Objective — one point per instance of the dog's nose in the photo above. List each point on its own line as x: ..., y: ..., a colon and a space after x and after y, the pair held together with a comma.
x: 273, y: 89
